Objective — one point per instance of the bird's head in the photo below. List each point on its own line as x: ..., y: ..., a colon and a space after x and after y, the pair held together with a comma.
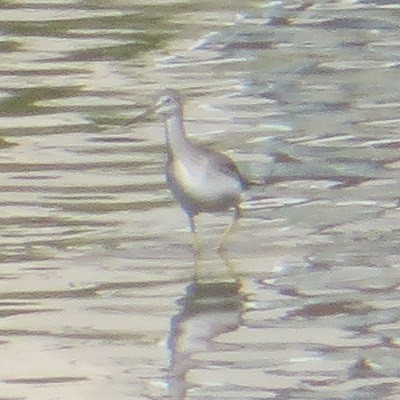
x: 168, y: 102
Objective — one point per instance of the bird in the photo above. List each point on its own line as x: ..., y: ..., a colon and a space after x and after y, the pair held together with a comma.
x: 200, y: 179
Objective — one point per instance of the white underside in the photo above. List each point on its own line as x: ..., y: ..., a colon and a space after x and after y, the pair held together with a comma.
x: 205, y: 183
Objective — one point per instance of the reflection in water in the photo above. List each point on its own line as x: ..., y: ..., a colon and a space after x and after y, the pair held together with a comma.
x: 210, y: 308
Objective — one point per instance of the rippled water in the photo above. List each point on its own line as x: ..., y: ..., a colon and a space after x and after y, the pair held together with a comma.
x: 101, y: 296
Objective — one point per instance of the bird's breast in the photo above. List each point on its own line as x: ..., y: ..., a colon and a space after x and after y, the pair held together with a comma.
x: 198, y: 179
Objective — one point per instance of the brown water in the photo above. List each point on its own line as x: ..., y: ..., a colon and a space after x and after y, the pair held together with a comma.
x: 98, y: 296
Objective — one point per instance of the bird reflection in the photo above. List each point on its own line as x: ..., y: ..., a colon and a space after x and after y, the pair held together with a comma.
x: 210, y: 308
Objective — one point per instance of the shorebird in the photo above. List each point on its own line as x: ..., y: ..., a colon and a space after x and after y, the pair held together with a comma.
x: 200, y: 179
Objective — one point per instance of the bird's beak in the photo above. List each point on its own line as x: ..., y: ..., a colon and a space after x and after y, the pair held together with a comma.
x: 157, y: 105
x: 148, y: 112
x: 144, y: 115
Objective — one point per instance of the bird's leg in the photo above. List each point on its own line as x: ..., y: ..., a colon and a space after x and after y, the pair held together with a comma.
x: 196, y: 241
x: 222, y: 242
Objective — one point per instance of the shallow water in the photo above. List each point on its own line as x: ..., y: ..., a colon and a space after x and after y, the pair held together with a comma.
x: 101, y: 296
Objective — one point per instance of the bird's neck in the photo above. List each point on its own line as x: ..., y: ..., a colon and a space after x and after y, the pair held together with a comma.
x: 175, y: 132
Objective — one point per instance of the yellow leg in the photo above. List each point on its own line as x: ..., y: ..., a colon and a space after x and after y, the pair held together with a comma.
x: 222, y: 242
x: 196, y: 240
x: 197, y: 244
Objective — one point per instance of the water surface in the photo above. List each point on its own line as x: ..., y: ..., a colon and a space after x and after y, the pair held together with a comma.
x: 99, y: 297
